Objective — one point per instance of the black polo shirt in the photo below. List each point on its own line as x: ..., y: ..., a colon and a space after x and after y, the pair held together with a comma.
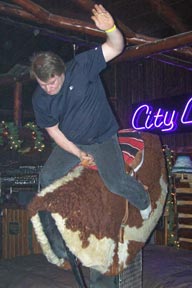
x: 80, y: 107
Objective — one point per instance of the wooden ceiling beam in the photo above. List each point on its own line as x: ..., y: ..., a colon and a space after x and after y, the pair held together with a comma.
x: 168, y: 15
x: 164, y: 10
x: 158, y: 46
x: 86, y: 27
x: 66, y: 23
x: 150, y: 47
x: 45, y: 17
x: 33, y: 8
x: 174, y: 61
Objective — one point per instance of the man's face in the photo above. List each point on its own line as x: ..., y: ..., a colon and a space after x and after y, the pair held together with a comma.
x: 53, y: 85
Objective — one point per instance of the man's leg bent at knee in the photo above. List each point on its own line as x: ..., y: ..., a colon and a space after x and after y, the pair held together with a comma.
x: 57, y: 165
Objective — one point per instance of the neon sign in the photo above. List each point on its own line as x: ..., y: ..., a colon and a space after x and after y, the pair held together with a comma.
x: 185, y: 118
x: 148, y: 117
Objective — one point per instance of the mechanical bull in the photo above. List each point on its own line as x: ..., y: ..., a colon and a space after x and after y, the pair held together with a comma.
x: 101, y: 229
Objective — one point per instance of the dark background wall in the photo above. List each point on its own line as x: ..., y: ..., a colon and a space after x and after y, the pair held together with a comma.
x: 148, y: 79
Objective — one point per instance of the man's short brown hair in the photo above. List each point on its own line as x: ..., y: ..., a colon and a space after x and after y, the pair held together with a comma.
x: 46, y: 65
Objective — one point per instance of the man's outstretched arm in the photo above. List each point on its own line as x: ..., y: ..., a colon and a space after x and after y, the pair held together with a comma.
x: 114, y: 44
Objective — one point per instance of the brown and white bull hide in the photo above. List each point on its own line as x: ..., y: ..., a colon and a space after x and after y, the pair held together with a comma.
x: 101, y: 229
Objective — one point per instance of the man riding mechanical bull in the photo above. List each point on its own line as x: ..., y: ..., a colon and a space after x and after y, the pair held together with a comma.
x: 71, y: 104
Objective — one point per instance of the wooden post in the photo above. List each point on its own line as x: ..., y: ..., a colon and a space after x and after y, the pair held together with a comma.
x: 17, y: 103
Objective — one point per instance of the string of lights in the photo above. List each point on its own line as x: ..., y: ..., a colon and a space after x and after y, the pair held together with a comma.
x: 10, y: 136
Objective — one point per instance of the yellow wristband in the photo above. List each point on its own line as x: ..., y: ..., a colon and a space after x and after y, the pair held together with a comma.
x: 111, y: 29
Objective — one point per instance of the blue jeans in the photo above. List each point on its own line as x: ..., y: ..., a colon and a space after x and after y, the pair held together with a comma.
x: 109, y: 160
